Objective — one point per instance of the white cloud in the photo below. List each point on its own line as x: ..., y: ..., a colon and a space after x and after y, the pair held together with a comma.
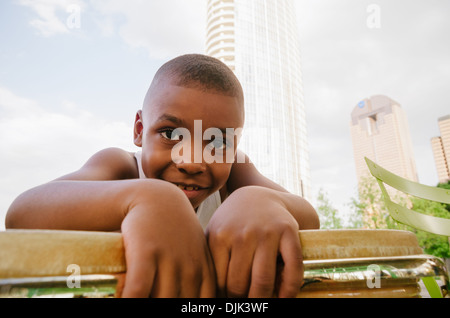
x: 38, y: 145
x: 54, y: 16
x: 163, y: 28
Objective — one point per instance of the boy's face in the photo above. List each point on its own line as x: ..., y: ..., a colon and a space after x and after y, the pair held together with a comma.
x: 192, y: 111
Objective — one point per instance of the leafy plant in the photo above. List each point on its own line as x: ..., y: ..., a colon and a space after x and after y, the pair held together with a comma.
x: 328, y: 215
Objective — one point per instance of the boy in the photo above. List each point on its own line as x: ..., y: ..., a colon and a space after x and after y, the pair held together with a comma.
x: 250, y: 223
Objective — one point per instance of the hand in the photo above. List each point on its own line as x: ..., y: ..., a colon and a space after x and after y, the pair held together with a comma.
x: 165, y: 248
x: 246, y: 236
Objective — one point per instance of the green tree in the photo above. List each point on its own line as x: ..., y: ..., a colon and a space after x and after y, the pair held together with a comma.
x: 433, y: 244
x: 328, y: 215
x: 355, y: 219
x: 444, y: 185
x: 369, y: 210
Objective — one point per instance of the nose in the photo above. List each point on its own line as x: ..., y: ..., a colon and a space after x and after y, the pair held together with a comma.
x: 191, y: 167
x: 186, y: 160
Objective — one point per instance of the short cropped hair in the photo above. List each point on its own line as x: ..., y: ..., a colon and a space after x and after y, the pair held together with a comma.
x: 200, y: 72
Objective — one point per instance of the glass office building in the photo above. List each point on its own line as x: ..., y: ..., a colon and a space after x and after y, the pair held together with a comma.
x: 258, y: 40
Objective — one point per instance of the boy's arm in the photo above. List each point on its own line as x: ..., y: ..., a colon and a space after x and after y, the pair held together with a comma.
x: 160, y: 231
x: 92, y: 198
x: 245, y: 174
x: 255, y: 228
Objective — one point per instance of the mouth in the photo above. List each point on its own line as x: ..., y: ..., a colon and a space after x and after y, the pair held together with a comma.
x: 188, y: 187
x: 192, y: 191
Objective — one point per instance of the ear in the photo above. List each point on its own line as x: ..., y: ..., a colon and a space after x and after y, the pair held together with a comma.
x: 138, y: 129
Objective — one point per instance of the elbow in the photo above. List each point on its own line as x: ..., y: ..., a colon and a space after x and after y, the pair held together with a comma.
x: 12, y: 219
x: 315, y: 224
x: 16, y: 215
x: 10, y: 223
x: 315, y: 221
x: 310, y: 218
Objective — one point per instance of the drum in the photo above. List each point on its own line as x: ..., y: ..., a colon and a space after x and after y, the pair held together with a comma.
x: 337, y: 263
x: 51, y: 263
x: 367, y: 263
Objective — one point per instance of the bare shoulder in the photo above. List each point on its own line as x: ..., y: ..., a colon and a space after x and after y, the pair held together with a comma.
x: 107, y: 164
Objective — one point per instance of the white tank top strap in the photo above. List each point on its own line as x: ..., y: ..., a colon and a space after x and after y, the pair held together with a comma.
x: 137, y: 156
x: 207, y: 208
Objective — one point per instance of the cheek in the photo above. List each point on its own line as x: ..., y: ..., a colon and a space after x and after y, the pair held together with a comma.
x: 220, y: 172
x: 154, y: 162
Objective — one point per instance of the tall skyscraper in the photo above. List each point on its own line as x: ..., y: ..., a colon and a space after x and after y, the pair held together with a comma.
x: 441, y: 149
x: 379, y: 130
x: 258, y: 40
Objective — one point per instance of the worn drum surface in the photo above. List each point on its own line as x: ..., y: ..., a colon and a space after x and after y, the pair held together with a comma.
x: 50, y: 263
x: 337, y: 263
x: 366, y: 263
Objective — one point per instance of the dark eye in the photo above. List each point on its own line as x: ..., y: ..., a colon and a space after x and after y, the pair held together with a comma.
x: 171, y: 134
x: 218, y: 144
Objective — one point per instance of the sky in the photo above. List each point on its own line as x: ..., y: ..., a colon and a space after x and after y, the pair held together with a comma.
x: 73, y: 73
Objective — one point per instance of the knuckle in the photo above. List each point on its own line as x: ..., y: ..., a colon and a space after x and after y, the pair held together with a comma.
x: 267, y: 234
x: 193, y: 271
x: 243, y: 237
x: 237, y: 290
x: 216, y: 236
x: 263, y: 282
x: 136, y: 290
x: 288, y: 224
x: 289, y: 289
x: 292, y: 290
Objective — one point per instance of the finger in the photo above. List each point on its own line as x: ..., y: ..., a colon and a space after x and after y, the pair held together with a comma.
x: 208, y: 283
x: 139, y: 280
x: 184, y: 278
x: 239, y: 270
x: 208, y: 288
x: 291, y: 275
x: 264, y: 270
x: 197, y: 278
x: 220, y: 254
x: 167, y: 282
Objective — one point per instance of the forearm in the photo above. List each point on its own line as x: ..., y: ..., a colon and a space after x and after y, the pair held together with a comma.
x: 265, y: 222
x: 302, y: 211
x: 246, y: 176
x: 73, y: 205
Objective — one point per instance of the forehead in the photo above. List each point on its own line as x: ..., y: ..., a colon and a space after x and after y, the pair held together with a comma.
x: 189, y: 104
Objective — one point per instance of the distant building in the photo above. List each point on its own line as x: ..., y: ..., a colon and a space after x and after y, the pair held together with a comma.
x: 379, y: 131
x: 441, y: 149
x: 259, y: 41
